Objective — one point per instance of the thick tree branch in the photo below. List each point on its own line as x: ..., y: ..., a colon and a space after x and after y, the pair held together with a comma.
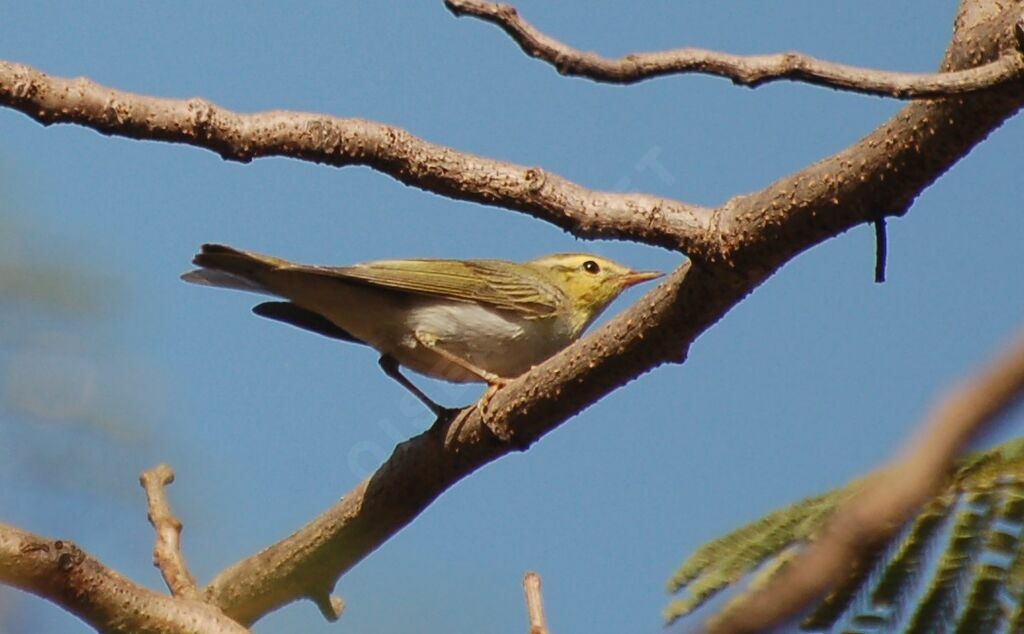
x: 167, y: 550
x: 342, y: 142
x: 888, y: 498
x: 760, y: 232
x: 66, y: 575
x: 750, y: 71
x: 309, y: 562
x: 733, y: 249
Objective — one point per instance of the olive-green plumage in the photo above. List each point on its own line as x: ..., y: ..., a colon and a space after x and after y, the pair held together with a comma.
x: 457, y: 320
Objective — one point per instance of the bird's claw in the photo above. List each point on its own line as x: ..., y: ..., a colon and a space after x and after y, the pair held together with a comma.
x: 494, y: 384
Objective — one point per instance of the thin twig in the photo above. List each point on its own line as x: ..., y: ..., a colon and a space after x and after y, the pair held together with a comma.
x: 750, y: 71
x: 886, y: 500
x: 534, y: 604
x: 167, y: 550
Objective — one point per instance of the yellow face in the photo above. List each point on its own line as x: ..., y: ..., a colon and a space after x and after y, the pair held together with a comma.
x: 591, y: 282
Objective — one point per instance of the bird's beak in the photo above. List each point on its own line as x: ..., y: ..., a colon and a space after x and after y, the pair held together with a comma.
x: 635, y: 277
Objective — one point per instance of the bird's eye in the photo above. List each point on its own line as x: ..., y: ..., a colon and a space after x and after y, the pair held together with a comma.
x: 591, y: 267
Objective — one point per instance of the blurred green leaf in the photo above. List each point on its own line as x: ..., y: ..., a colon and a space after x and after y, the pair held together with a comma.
x: 958, y: 564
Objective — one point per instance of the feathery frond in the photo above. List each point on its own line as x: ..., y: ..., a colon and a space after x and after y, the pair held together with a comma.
x: 958, y: 565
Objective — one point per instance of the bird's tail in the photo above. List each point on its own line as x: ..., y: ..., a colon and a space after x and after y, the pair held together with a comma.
x: 226, y: 267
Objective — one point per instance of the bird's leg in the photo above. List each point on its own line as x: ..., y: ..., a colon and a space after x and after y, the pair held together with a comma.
x: 390, y: 366
x: 430, y: 343
x: 494, y: 382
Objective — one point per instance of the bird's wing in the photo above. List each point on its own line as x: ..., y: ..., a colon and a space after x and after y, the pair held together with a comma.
x: 489, y: 282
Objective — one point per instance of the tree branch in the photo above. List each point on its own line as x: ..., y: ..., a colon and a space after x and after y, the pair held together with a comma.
x: 733, y: 249
x: 66, y: 575
x: 758, y: 233
x: 167, y: 550
x: 885, y: 502
x: 342, y: 142
x: 751, y: 71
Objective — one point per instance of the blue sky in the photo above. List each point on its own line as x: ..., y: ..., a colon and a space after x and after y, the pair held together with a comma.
x: 814, y: 379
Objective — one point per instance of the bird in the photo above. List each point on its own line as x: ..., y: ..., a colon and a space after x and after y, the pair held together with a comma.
x: 457, y: 320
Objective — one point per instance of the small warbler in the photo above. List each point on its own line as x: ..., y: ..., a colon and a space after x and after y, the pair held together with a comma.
x: 457, y: 320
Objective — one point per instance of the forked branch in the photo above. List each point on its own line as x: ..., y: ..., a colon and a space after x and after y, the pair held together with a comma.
x: 68, y: 576
x: 733, y: 249
x: 882, y: 173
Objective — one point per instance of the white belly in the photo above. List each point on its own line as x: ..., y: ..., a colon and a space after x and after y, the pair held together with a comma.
x: 499, y: 342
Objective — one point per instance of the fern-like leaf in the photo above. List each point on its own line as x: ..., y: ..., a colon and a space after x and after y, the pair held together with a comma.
x: 726, y: 560
x: 938, y: 607
x: 959, y: 563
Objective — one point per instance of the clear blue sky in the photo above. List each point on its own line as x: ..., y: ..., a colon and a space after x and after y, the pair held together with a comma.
x: 814, y: 379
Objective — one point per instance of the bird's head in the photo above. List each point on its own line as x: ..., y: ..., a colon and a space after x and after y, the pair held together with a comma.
x: 590, y: 282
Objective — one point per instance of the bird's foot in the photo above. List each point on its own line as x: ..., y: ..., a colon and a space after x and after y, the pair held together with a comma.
x: 501, y: 432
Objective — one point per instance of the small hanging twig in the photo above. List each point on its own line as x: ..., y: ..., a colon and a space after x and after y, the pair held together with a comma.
x: 881, y: 248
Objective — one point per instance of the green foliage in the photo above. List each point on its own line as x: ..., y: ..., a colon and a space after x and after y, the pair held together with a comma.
x: 958, y: 565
